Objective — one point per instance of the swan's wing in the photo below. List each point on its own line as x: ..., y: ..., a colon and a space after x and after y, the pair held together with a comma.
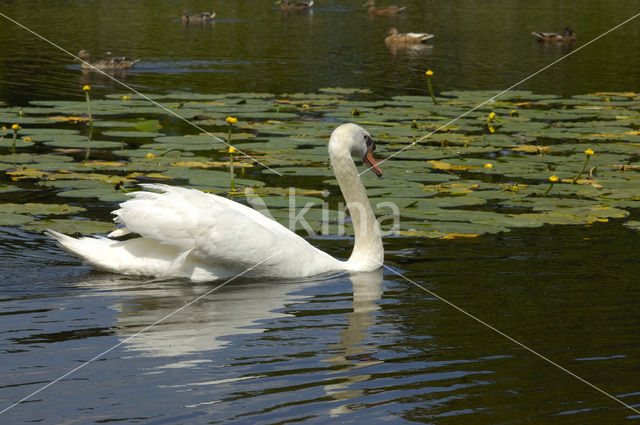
x: 218, y: 231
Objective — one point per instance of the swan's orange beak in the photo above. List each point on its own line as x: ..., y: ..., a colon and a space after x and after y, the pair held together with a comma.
x: 370, y: 161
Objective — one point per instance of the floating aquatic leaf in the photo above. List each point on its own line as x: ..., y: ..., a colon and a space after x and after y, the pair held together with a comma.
x: 10, y: 219
x: 27, y: 173
x: 68, y: 118
x: 7, y: 143
x: 23, y: 120
x: 287, y: 201
x: 632, y: 224
x: 113, y: 124
x: 5, y: 188
x: 147, y: 126
x: 446, y: 166
x: 209, y: 178
x: 99, y: 164
x: 40, y: 209
x: 104, y: 192
x: 301, y: 171
x: 211, y: 164
x: 71, y: 226
x: 82, y: 142
x: 344, y: 91
x: 126, y: 134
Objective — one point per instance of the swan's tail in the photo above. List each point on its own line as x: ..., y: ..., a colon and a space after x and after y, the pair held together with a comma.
x: 91, y: 249
x: 137, y: 256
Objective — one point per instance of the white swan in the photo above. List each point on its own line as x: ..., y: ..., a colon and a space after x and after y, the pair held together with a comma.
x: 192, y: 234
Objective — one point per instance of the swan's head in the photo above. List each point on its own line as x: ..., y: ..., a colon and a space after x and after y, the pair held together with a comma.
x: 351, y: 139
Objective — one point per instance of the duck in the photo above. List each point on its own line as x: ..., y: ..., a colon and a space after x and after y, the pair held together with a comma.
x: 382, y: 11
x: 197, y: 17
x: 105, y: 64
x: 567, y: 36
x: 410, y: 38
x: 298, y: 6
x: 187, y: 233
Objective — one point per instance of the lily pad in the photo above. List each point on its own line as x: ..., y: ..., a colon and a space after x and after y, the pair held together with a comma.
x: 11, y: 219
x: 19, y: 143
x: 40, y: 209
x: 71, y: 226
x: 82, y: 142
x: 632, y: 224
x: 134, y: 134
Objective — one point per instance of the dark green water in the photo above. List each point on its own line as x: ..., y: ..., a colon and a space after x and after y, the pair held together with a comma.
x: 253, y: 47
x: 333, y: 349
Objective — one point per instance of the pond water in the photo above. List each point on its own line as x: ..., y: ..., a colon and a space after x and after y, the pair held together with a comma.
x: 253, y: 47
x: 331, y: 349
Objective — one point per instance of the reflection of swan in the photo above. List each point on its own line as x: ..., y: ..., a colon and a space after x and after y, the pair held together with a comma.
x: 352, y: 355
x: 188, y: 233
x: 238, y: 309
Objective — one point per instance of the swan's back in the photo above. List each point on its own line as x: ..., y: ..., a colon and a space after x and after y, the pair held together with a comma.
x: 188, y: 233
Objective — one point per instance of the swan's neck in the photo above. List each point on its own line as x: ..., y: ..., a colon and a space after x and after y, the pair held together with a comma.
x: 368, y: 252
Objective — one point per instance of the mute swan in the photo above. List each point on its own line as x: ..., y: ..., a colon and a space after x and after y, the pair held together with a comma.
x: 188, y: 233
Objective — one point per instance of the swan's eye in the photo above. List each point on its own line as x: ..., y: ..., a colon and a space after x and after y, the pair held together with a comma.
x: 371, y: 145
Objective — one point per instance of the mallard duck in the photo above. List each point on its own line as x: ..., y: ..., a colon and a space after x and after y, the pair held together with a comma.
x: 299, y: 6
x: 197, y: 17
x: 567, y: 36
x: 394, y: 38
x: 107, y: 63
x: 382, y: 11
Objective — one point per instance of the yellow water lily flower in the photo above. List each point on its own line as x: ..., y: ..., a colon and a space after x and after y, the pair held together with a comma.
x: 231, y: 149
x: 126, y: 97
x: 231, y: 120
x: 27, y: 139
x: 589, y: 151
x: 491, y: 116
x: 487, y: 165
x: 553, y: 179
x: 86, y: 87
x: 429, y: 73
x: 15, y: 127
x: 149, y: 156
